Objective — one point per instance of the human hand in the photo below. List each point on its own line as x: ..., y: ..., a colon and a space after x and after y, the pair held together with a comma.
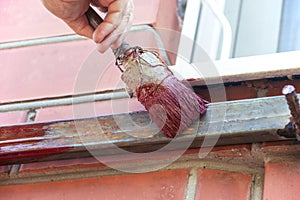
x: 110, y: 33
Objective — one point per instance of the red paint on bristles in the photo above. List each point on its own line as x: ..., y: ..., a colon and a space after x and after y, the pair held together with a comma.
x: 173, y: 107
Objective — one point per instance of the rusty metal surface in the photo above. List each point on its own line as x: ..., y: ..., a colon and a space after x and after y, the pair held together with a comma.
x: 243, y: 121
x: 292, y: 129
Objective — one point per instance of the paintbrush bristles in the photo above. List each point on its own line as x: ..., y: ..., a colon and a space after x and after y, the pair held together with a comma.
x: 173, y: 107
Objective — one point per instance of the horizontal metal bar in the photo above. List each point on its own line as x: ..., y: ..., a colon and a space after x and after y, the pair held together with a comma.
x: 35, y: 104
x: 225, y: 123
x: 75, y: 37
x: 40, y: 41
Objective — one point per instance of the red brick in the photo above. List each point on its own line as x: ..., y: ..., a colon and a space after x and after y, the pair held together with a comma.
x: 231, y: 151
x: 277, y: 143
x: 215, y: 184
x: 13, y: 117
x: 101, y: 108
x: 232, y: 93
x: 291, y: 148
x: 23, y: 19
x: 158, y: 185
x: 240, y: 92
x: 282, y: 181
x: 275, y: 87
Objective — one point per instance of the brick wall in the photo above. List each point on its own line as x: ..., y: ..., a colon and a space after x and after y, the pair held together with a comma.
x: 259, y: 171
x: 268, y: 171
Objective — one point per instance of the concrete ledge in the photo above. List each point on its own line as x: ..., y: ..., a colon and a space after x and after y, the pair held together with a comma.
x: 239, y: 69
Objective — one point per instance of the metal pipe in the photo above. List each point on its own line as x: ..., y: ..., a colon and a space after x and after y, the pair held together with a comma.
x: 74, y: 37
x: 40, y: 41
x: 36, y: 104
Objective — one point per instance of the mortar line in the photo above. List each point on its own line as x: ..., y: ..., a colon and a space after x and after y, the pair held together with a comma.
x: 257, y: 187
x: 192, y: 184
x: 99, y: 171
x: 239, y: 166
x: 14, y: 170
x: 257, y: 183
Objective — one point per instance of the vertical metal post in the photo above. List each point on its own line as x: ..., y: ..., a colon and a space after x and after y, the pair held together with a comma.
x: 293, y: 103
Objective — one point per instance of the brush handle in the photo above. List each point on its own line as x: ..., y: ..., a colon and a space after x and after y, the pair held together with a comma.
x: 95, y: 20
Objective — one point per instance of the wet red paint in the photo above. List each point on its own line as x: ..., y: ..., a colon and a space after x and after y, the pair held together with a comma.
x: 171, y: 105
x: 191, y: 79
x: 30, y: 155
x: 22, y: 131
x: 28, y: 143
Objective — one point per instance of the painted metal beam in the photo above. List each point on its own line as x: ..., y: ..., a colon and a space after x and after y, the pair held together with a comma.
x: 225, y: 123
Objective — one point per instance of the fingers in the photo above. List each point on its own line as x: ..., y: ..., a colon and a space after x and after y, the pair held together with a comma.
x: 71, y: 12
x: 81, y: 26
x: 111, y: 32
x: 98, y: 5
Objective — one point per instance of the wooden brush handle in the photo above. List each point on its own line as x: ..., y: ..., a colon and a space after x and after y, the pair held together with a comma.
x: 95, y: 20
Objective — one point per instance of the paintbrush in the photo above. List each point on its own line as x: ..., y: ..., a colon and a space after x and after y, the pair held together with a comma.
x: 172, y: 106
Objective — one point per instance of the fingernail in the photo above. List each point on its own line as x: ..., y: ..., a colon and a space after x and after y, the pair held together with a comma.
x: 95, y: 38
x: 101, y: 48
